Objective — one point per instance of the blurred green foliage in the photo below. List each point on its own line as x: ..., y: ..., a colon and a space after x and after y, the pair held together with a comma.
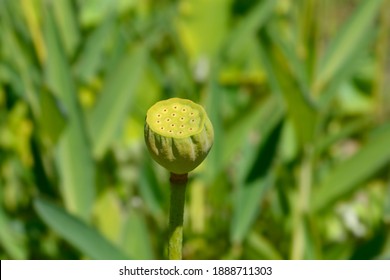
x: 298, y: 93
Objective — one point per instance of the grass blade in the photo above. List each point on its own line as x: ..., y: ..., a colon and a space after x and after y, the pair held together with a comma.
x: 296, y: 65
x: 346, y: 42
x: 107, y: 215
x: 92, y: 54
x: 257, y: 116
x: 262, y: 247
x: 299, y: 106
x: 254, y: 180
x: 32, y: 13
x: 214, y: 159
x: 115, y: 99
x: 9, y: 240
x: 248, y: 26
x: 136, y: 239
x: 74, y: 160
x: 52, y: 121
x: 67, y: 24
x: 80, y: 235
x: 339, y: 182
x: 202, y: 29
x: 246, y: 207
x: 150, y: 190
x: 325, y: 142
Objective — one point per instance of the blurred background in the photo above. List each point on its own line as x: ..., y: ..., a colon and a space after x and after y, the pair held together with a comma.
x: 298, y: 93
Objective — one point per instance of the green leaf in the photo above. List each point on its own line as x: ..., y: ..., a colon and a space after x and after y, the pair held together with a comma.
x: 266, y: 152
x: 136, y: 238
x: 254, y: 179
x: 149, y: 189
x: 73, y: 159
x: 68, y: 26
x: 256, y: 117
x: 92, y: 55
x: 387, y: 208
x: 325, y: 142
x: 202, y: 26
x: 32, y: 12
x: 197, y: 206
x: 10, y: 240
x: 263, y: 247
x: 76, y: 232
x: 21, y: 69
x: 311, y: 239
x: 299, y: 105
x: 347, y: 176
x: 213, y: 99
x: 248, y: 199
x: 92, y: 12
x: 115, y: 99
x: 52, y: 120
x: 107, y: 214
x: 248, y: 26
x: 296, y: 65
x: 345, y: 72
x: 347, y: 42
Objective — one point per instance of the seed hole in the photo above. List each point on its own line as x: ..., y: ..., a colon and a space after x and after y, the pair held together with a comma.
x: 182, y: 125
x: 158, y: 122
x: 190, y: 128
x: 173, y: 114
x: 162, y: 128
x: 192, y: 120
x: 165, y: 110
x: 159, y: 115
x: 168, y: 119
x: 184, y: 109
x: 173, y: 125
x: 170, y: 131
x: 175, y: 107
x: 182, y: 118
x: 192, y: 113
x: 180, y: 132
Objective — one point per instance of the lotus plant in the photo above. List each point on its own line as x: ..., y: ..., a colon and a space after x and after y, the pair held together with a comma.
x: 179, y: 135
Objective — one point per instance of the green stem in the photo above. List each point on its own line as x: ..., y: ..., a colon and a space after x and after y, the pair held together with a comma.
x: 176, y: 212
x: 302, y: 208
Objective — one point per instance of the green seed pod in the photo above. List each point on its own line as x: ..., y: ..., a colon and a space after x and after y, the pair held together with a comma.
x: 178, y: 134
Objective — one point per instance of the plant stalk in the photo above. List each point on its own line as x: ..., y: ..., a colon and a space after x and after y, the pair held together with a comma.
x: 176, y: 213
x: 302, y: 208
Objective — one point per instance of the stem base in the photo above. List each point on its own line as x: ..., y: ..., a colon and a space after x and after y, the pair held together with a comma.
x: 176, y: 213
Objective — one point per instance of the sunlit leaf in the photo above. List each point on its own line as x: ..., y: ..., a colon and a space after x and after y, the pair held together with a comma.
x: 117, y: 94
x: 73, y: 153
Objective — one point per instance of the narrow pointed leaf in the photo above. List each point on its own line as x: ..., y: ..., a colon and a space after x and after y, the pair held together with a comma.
x: 82, y: 236
x: 10, y: 241
x: 136, y: 237
x: 73, y: 154
x: 115, y: 99
x: 299, y: 106
x: 349, y: 175
x: 347, y: 40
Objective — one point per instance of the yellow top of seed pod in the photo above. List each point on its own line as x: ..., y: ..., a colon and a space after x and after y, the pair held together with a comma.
x: 176, y: 117
x: 178, y: 134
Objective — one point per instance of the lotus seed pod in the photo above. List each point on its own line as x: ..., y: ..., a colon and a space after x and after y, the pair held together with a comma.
x: 178, y: 134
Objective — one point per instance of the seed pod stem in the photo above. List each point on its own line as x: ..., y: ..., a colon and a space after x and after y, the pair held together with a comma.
x: 176, y: 213
x: 179, y: 135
